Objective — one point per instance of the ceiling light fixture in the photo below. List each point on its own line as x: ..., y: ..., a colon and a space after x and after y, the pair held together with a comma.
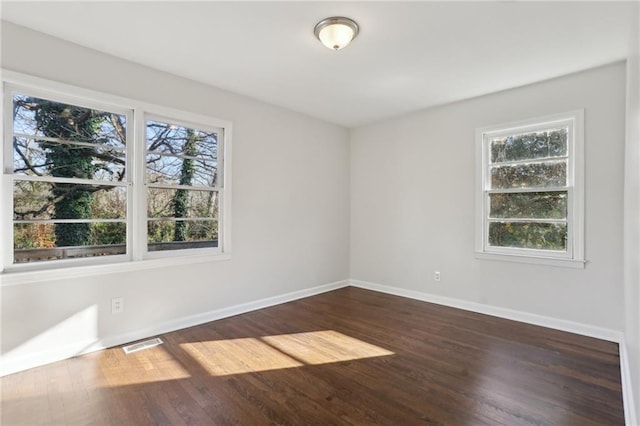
x: 336, y: 32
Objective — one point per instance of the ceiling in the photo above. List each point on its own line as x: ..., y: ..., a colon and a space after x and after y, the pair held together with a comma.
x: 408, y: 56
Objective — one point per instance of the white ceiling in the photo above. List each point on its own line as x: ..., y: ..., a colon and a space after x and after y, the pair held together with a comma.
x: 408, y: 56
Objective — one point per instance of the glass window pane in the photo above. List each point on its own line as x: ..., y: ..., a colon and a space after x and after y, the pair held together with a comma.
x: 48, y: 200
x: 175, y: 235
x: 541, y: 236
x: 57, y: 120
x: 181, y: 171
x: 57, y: 139
x: 36, y: 242
x: 530, y: 175
x: 179, y: 155
x: 182, y: 203
x: 171, y: 139
x: 528, y: 205
x: 35, y: 157
x: 532, y: 145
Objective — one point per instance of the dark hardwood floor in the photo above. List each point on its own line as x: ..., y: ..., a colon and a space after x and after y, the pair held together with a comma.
x: 351, y: 357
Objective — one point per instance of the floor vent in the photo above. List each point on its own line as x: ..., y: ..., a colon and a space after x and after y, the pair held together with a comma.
x: 141, y: 345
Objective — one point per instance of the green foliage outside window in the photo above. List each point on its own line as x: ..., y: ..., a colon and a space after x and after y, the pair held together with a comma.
x: 528, y: 205
x: 529, y: 235
x: 69, y: 163
x: 529, y: 220
x: 528, y: 146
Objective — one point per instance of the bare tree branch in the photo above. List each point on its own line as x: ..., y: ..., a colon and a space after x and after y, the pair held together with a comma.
x: 24, y: 158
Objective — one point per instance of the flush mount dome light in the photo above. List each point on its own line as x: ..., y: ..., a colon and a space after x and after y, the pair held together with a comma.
x: 336, y: 32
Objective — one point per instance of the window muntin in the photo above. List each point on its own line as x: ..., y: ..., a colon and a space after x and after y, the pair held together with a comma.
x: 529, y: 204
x: 68, y: 167
x: 182, y: 182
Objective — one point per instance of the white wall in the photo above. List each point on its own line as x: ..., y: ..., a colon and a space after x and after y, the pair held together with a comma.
x: 412, y: 208
x: 290, y: 210
x: 413, y: 193
x: 632, y: 214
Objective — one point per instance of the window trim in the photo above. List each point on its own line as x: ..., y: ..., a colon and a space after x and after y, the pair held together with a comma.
x: 574, y: 257
x: 137, y: 256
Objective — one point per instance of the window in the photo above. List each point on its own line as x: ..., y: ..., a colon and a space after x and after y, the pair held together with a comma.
x: 69, y: 180
x: 530, y: 203
x: 182, y: 186
x: 81, y: 185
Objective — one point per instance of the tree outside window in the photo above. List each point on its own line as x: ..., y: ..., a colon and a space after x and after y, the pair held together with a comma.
x: 531, y: 200
x: 71, y: 172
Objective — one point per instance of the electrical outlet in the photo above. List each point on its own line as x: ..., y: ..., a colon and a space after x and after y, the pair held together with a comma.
x: 436, y: 276
x: 117, y: 305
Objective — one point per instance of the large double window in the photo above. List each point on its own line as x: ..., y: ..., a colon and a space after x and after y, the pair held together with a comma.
x: 530, y: 202
x: 89, y: 181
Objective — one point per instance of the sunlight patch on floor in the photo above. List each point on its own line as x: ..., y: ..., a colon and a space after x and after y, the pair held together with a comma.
x: 252, y: 354
x: 151, y: 365
x: 322, y: 347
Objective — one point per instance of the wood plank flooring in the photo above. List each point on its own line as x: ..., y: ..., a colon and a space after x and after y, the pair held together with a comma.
x: 347, y: 357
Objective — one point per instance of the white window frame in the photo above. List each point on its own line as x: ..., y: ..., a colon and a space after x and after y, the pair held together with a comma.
x: 574, y: 255
x: 219, y: 188
x: 137, y: 256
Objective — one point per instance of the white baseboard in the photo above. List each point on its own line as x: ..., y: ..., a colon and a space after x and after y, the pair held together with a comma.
x: 16, y: 364
x: 534, y: 319
x: 221, y: 313
x: 630, y: 416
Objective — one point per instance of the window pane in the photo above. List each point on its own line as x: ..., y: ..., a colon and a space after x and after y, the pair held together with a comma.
x: 167, y: 138
x: 174, y: 235
x: 182, y: 203
x: 179, y: 155
x: 61, y: 140
x: 530, y: 175
x: 48, y: 200
x: 529, y: 205
x: 42, y: 117
x: 35, y: 157
x: 549, y: 143
x: 35, y: 242
x: 181, y: 171
x: 541, y: 236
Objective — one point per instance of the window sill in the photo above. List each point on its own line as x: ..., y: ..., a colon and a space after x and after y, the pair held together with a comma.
x: 565, y: 263
x: 16, y: 277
